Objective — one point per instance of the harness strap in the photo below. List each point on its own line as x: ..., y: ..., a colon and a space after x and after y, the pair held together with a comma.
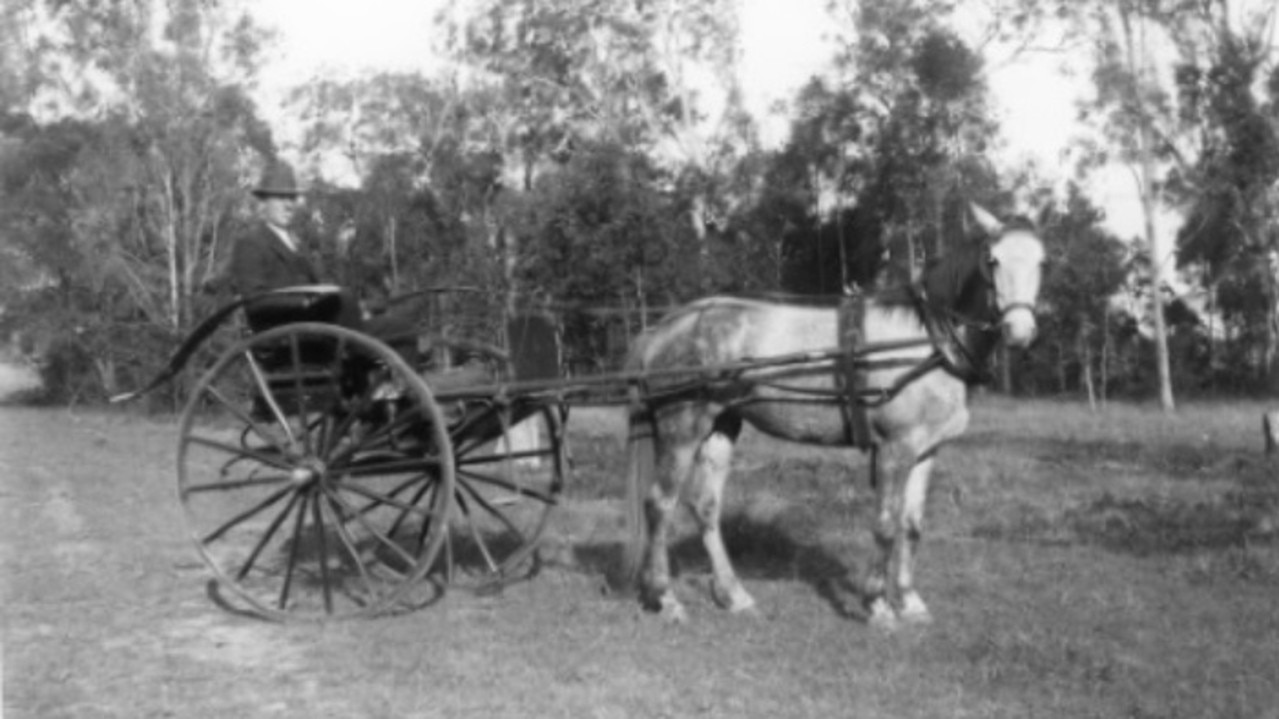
x: 850, y: 376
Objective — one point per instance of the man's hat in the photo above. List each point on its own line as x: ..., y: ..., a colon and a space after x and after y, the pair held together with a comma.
x: 277, y: 181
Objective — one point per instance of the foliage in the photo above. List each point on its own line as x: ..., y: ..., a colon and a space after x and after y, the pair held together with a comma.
x: 609, y: 137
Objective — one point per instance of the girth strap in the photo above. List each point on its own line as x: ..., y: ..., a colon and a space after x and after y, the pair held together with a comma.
x: 850, y: 375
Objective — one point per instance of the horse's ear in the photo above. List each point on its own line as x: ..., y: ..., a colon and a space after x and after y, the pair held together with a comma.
x: 987, y: 221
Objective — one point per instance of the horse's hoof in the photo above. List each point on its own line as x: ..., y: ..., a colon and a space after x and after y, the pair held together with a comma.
x: 882, y: 615
x: 736, y: 600
x: 913, y: 610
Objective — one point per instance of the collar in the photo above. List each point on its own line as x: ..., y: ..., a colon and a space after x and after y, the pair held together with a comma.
x: 285, y: 236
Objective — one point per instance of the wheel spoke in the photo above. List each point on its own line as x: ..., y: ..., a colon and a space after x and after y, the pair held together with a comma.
x: 264, y: 390
x: 232, y: 485
x: 404, y: 514
x: 246, y: 514
x: 293, y: 554
x: 508, y: 485
x: 511, y: 456
x: 394, y: 492
x: 381, y: 499
x: 325, y: 582
x: 491, y: 509
x: 429, y: 521
x: 244, y: 417
x: 382, y: 539
x: 266, y: 538
x: 475, y: 534
x: 348, y: 542
x: 279, y: 462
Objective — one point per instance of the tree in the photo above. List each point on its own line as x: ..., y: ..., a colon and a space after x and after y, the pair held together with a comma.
x: 156, y: 182
x: 1135, y: 115
x: 1230, y: 230
x: 601, y: 215
x: 885, y: 157
x: 1089, y: 265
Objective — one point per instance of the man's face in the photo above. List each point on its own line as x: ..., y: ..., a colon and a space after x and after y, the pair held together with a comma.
x: 278, y: 210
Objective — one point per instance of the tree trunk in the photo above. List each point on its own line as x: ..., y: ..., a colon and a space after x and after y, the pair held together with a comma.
x: 1137, y: 65
x: 1105, y: 356
x: 1085, y: 359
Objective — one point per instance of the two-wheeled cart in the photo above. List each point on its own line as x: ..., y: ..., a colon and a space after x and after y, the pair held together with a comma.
x: 322, y: 476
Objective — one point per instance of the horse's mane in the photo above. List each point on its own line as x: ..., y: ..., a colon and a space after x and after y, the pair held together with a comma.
x: 943, y: 282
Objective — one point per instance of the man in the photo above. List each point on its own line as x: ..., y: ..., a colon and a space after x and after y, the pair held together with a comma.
x: 270, y: 258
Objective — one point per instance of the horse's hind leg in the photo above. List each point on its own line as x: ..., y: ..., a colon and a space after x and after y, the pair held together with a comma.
x: 710, y: 473
x: 675, y: 451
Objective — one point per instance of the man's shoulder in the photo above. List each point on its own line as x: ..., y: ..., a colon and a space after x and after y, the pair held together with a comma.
x: 254, y: 238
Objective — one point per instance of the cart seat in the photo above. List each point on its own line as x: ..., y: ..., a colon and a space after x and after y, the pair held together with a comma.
x: 315, y: 376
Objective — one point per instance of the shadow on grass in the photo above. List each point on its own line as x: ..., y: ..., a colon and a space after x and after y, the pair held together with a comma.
x: 762, y: 550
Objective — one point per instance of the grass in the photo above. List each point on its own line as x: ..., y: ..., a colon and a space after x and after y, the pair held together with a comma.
x: 1122, y: 563
x: 1119, y: 564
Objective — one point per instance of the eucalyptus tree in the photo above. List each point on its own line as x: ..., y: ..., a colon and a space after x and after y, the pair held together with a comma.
x: 658, y: 78
x: 1133, y: 110
x: 1177, y: 85
x: 151, y: 191
x: 1089, y: 265
x: 1227, y: 83
x: 882, y: 151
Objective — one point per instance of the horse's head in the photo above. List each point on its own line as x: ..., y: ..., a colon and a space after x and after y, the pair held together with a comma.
x: 1014, y: 266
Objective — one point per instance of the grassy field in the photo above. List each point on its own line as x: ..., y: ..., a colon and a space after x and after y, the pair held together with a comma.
x: 1118, y: 564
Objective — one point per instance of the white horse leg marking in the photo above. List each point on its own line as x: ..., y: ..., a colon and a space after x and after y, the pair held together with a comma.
x: 714, y: 461
x: 914, y: 496
x: 673, y: 466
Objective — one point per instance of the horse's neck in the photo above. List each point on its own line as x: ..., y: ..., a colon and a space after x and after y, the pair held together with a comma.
x: 952, y: 285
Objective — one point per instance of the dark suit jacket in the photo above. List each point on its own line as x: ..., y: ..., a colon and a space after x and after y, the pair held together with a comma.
x: 260, y: 261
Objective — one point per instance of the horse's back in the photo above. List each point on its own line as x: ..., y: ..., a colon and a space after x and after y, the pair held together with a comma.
x: 717, y: 330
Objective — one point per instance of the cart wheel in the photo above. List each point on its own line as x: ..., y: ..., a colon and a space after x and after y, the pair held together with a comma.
x: 316, y: 472
x: 510, y: 461
x: 509, y: 457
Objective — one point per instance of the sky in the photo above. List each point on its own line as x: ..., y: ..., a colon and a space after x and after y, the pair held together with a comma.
x: 783, y: 47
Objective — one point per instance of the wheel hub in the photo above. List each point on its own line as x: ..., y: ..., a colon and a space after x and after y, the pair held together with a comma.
x: 308, y: 470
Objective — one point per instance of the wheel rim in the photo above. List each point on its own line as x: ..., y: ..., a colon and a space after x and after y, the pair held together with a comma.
x: 308, y: 491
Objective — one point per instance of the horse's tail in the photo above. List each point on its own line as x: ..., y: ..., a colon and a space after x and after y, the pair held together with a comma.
x: 641, y: 458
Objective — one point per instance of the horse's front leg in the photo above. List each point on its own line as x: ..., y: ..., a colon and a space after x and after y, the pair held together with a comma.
x: 876, y: 590
x: 710, y: 474
x: 901, y: 498
x: 914, y: 498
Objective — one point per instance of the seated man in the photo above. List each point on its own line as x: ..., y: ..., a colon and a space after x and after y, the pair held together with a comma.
x: 270, y: 258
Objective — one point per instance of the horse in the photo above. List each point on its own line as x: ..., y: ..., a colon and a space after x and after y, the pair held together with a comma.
x: 935, y: 335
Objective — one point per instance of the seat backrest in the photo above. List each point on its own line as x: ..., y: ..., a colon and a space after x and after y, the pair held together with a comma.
x: 533, y: 343
x: 317, y: 305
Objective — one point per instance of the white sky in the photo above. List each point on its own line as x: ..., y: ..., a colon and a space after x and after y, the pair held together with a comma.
x: 782, y: 43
